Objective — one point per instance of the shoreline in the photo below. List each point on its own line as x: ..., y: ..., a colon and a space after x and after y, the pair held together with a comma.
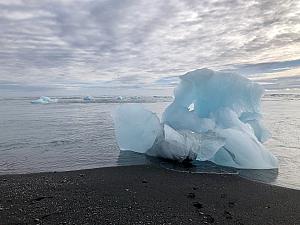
x: 143, y: 194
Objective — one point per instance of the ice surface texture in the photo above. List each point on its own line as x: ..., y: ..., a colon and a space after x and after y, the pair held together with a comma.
x: 43, y: 100
x: 215, y: 116
x: 136, y: 128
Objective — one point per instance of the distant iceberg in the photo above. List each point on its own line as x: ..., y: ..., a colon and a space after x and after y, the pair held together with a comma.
x: 43, y: 100
x: 88, y: 98
x: 215, y: 116
x: 120, y: 98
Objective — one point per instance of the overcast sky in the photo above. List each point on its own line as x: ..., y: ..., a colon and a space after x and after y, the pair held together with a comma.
x: 72, y: 44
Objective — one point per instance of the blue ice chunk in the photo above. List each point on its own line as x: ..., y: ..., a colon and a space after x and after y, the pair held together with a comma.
x: 88, y: 98
x: 43, y: 100
x: 136, y: 128
x: 215, y: 116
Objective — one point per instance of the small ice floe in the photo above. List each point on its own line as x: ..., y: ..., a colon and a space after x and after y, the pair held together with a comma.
x: 88, y: 98
x: 120, y: 98
x: 43, y: 100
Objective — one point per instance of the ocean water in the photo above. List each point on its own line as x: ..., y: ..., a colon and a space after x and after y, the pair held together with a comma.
x: 72, y: 134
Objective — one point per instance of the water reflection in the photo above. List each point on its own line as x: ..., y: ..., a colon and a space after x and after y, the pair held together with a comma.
x: 198, y: 167
x: 127, y: 158
x: 265, y: 176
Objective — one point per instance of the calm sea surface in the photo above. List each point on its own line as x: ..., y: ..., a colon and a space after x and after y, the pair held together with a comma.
x: 72, y: 134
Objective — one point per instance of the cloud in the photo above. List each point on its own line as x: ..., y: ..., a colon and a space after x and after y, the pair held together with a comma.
x: 267, y: 67
x: 143, y: 43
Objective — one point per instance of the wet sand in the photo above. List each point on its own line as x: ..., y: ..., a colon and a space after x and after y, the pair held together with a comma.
x: 143, y: 195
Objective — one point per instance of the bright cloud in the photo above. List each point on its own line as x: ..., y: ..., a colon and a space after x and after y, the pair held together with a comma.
x: 143, y: 43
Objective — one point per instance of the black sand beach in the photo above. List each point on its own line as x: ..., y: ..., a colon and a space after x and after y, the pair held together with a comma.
x: 143, y: 195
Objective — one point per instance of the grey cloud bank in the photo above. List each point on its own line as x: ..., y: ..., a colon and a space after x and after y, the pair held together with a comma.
x: 142, y: 44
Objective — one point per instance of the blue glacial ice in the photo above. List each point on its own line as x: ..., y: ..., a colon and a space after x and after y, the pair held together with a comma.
x: 88, y: 98
x: 136, y: 128
x: 43, y: 100
x: 215, y: 116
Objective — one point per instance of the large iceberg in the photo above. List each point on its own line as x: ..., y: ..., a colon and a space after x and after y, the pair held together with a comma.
x: 215, y: 116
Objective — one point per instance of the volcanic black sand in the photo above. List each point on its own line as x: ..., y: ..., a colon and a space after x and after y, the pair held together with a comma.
x: 143, y: 195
